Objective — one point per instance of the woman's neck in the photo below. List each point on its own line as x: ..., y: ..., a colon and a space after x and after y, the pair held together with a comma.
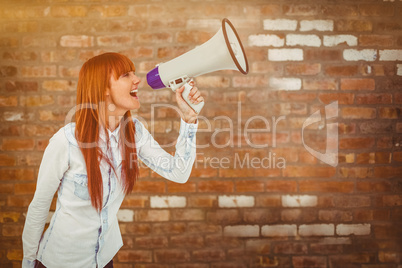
x: 113, y: 122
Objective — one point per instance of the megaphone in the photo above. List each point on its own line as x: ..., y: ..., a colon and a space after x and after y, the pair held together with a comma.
x: 224, y: 51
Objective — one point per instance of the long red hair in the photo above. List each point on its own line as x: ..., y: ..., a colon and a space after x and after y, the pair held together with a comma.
x: 94, y: 79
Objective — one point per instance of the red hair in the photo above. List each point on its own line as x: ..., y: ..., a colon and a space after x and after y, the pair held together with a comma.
x: 94, y: 79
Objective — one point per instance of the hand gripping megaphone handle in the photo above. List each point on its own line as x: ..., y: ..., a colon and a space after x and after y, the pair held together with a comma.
x: 184, y: 81
x: 196, y: 107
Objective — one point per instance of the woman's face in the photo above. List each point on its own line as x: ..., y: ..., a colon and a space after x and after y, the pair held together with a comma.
x: 122, y: 94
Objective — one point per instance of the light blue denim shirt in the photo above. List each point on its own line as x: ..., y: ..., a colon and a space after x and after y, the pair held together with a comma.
x: 78, y: 235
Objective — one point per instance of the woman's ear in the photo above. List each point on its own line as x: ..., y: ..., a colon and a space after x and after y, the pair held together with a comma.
x: 107, y: 93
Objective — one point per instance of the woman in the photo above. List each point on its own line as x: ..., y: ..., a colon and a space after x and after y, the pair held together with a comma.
x: 92, y: 164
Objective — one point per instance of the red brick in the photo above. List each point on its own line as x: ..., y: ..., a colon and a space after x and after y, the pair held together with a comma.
x: 323, y: 55
x: 133, y: 201
x: 297, y: 96
x: 77, y: 41
x: 134, y: 256
x: 358, y: 113
x: 260, y: 215
x: 370, y: 215
x: 270, y: 9
x: 291, y: 248
x: 24, y: 188
x: 326, y: 249
x: 326, y: 186
x: 371, y: 98
x: 10, y: 230
x: 7, y: 160
x: 150, y: 187
x: 209, y: 255
x: 224, y: 216
x: 387, y: 231
x: 383, y: 157
x: 6, y: 188
x: 8, y: 101
x: 353, y: 26
x: 376, y: 40
x: 352, y: 201
x: 355, y: 143
x: 201, y: 201
x: 215, y: 186
x: 357, y: 84
x: 348, y: 70
x: 171, y: 255
x: 21, y: 174
x: 151, y: 242
x: 303, y: 69
x: 189, y: 241
x: 36, y: 101
x: 8, y: 71
x: 335, y: 215
x: 335, y: 10
x: 19, y: 201
x: 249, y: 186
x: 349, y: 128
x: 373, y: 187
x: 281, y: 186
x: 188, y: 187
x: 309, y: 261
x: 342, y: 98
x: 376, y: 10
x: 15, y: 254
x: 389, y: 112
x: 39, y: 71
x: 387, y: 172
x: 258, y: 246
x: 188, y: 215
x: 397, y: 156
x: 68, y: 11
x: 11, y: 144
x: 307, y: 171
x: 398, y: 98
x: 300, y: 10
x: 110, y: 10
x: 191, y: 37
x: 18, y: 86
x: 320, y: 84
x: 152, y: 215
x: 161, y: 38
x: 347, y: 259
x: 236, y: 173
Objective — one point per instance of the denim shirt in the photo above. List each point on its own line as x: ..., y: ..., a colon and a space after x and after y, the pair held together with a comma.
x: 78, y: 235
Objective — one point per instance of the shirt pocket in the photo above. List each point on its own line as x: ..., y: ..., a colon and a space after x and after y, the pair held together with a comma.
x: 81, y: 186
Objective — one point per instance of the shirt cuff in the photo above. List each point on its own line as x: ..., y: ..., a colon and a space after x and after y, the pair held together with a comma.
x: 187, y: 128
x: 28, y: 264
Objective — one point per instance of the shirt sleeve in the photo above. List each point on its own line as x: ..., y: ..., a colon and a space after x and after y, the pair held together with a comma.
x: 54, y: 164
x: 177, y: 167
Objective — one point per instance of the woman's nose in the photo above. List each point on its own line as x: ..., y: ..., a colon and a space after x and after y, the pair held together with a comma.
x: 136, y: 80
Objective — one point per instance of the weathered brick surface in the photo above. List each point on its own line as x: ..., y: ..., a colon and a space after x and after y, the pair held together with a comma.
x: 257, y: 196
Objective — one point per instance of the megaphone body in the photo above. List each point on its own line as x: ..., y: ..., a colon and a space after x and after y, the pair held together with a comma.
x: 224, y: 51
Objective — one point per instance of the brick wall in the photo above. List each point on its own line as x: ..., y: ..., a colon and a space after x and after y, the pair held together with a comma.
x: 257, y: 197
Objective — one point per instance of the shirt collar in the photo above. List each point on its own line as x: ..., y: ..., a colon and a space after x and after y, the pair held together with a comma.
x: 112, y: 135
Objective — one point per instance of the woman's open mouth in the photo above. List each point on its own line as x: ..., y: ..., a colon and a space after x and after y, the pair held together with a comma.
x: 134, y: 92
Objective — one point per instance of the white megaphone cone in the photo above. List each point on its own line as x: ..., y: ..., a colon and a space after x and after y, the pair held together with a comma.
x: 224, y: 51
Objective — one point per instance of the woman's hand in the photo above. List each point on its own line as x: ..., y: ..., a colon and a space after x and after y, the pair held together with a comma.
x: 188, y: 114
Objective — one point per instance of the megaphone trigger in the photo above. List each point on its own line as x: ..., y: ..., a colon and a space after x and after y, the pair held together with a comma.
x: 178, y: 82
